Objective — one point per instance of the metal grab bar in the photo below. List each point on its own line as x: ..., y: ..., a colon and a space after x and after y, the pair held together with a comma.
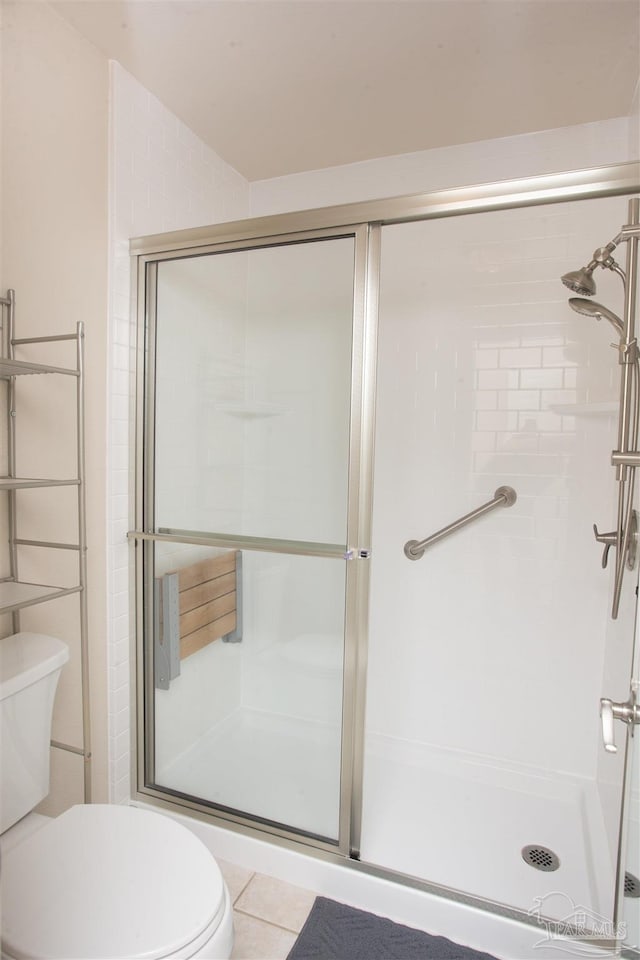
x: 504, y: 496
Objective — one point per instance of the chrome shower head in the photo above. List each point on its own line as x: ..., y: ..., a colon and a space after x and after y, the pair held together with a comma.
x: 581, y: 281
x: 590, y: 308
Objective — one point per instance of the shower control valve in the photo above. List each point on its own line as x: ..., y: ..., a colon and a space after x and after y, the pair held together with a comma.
x: 628, y: 712
x: 609, y: 539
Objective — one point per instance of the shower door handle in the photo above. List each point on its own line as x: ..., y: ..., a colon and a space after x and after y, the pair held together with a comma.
x: 628, y: 712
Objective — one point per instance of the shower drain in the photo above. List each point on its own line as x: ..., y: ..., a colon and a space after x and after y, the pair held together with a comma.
x: 540, y: 857
x: 631, y: 886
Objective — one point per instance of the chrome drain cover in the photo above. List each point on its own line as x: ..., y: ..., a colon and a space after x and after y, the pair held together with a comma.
x: 540, y: 857
x: 631, y: 886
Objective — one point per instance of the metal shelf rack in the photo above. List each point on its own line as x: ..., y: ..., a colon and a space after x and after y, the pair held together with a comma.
x: 15, y: 594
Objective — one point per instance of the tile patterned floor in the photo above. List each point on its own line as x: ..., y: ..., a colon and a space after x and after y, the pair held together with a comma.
x: 267, y: 913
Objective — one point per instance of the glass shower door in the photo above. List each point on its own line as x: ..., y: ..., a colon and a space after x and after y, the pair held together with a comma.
x: 250, y: 385
x: 484, y: 769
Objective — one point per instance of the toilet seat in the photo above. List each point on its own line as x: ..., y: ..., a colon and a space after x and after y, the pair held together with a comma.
x: 114, y: 883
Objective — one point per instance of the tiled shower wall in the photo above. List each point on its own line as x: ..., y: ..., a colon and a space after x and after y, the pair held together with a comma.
x: 486, y: 377
x: 162, y: 177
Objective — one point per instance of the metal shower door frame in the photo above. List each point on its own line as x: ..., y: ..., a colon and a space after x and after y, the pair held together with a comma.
x: 369, y: 216
x: 355, y: 551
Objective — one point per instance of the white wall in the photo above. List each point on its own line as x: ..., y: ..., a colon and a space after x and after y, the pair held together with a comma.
x: 162, y: 177
x: 78, y: 180
x: 54, y: 235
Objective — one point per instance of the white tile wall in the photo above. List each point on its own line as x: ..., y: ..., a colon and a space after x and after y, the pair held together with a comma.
x: 162, y: 177
x: 471, y: 395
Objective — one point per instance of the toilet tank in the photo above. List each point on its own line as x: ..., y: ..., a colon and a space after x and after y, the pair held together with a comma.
x: 30, y: 664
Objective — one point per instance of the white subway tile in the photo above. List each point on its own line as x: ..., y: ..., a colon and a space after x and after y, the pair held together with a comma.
x: 542, y: 378
x: 120, y: 408
x: 121, y: 768
x: 523, y: 357
x: 120, y: 682
x: 497, y: 420
x: 120, y: 791
x: 120, y: 653
x: 119, y: 457
x: 483, y: 441
x: 558, y: 357
x: 120, y: 625
x: 485, y: 359
x: 519, y: 399
x: 557, y: 443
x: 120, y: 700
x: 540, y: 421
x: 120, y: 611
x: 485, y: 399
x: 120, y: 721
x: 522, y: 442
x: 120, y: 382
x: 120, y: 556
x: 121, y: 746
x: 119, y: 530
x: 552, y: 398
x: 497, y: 380
x: 119, y: 432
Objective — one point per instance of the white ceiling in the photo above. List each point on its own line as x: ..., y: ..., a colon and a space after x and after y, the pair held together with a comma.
x: 279, y: 86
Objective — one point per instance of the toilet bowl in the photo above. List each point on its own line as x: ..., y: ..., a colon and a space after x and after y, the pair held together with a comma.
x: 105, y: 882
x: 99, y: 882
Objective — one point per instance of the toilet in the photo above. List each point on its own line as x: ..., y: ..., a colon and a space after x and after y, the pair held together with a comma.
x: 101, y: 881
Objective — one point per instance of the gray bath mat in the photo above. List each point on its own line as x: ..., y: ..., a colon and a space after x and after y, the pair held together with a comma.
x: 334, y: 931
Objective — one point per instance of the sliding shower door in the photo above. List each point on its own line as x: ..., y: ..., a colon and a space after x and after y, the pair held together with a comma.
x: 484, y: 766
x: 249, y: 395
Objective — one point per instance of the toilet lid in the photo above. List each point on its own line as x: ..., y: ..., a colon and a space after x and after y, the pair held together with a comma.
x: 104, y: 881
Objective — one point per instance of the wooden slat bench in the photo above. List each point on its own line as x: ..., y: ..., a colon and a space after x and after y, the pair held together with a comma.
x: 196, y: 605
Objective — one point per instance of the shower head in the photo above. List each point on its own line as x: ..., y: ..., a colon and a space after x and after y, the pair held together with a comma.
x: 581, y: 281
x: 589, y: 308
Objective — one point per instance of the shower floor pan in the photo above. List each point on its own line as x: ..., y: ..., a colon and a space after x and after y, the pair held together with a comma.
x: 462, y: 822
x: 442, y: 816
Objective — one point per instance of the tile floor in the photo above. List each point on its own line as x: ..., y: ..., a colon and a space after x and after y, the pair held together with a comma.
x: 268, y: 914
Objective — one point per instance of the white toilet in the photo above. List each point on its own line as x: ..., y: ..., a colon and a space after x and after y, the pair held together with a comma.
x: 99, y: 882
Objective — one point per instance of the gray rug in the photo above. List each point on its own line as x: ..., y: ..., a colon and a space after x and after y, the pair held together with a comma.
x: 334, y: 931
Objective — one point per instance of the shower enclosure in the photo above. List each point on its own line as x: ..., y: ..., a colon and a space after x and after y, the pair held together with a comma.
x: 316, y: 391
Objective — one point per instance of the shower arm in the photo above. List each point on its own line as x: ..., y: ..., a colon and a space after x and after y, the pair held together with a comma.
x: 602, y: 257
x: 630, y: 230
